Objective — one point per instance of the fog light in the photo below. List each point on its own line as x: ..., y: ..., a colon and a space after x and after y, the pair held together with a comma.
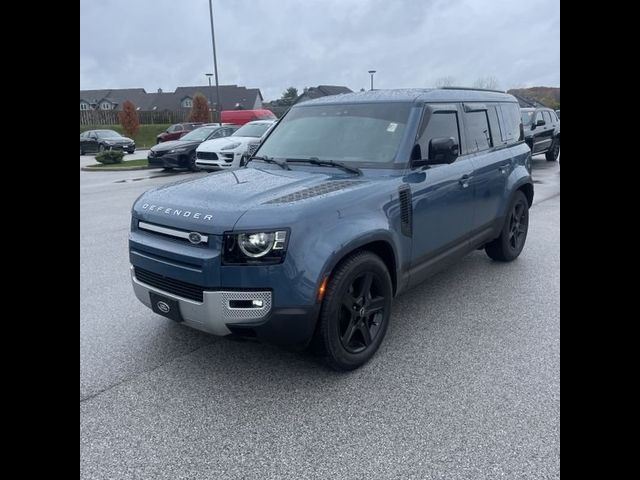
x: 257, y: 303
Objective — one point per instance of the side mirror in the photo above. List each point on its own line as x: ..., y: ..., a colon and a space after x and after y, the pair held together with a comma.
x: 539, y: 123
x: 442, y: 150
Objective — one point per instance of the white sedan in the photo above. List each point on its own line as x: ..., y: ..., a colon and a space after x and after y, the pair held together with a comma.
x: 227, y: 152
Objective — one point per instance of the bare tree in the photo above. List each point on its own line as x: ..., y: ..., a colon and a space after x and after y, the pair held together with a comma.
x: 447, y: 81
x: 490, y: 83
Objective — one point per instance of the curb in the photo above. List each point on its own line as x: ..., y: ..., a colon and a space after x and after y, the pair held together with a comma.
x: 114, y: 169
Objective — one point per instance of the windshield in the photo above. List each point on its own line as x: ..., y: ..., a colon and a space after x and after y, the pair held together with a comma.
x: 362, y: 133
x: 107, y: 133
x: 199, y: 134
x: 527, y: 117
x: 252, y: 130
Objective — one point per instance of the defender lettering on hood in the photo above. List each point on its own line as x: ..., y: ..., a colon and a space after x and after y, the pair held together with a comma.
x: 176, y: 212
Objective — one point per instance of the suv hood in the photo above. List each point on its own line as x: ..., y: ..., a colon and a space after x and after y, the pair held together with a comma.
x: 218, y: 143
x: 214, y: 203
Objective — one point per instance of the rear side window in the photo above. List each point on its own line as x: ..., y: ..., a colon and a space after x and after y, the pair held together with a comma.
x: 439, y: 124
x: 178, y: 128
x: 478, y: 133
x: 547, y: 117
x: 511, y: 122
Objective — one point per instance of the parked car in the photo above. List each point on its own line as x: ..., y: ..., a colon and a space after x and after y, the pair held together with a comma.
x: 228, y: 152
x: 174, y: 132
x: 349, y: 201
x: 542, y: 131
x: 240, y: 117
x: 182, y: 153
x: 93, y: 141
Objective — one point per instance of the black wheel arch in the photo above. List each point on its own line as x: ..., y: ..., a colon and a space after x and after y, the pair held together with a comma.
x: 377, y: 243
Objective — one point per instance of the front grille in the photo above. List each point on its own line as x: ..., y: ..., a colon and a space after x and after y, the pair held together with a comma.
x: 156, y: 154
x: 206, y: 156
x: 170, y: 285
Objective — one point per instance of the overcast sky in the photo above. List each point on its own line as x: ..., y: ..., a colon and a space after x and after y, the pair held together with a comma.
x: 273, y: 44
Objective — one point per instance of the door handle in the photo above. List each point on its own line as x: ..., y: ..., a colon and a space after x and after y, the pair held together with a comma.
x: 464, y: 180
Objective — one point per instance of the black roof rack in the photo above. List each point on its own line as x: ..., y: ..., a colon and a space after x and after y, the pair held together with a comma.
x: 471, y: 88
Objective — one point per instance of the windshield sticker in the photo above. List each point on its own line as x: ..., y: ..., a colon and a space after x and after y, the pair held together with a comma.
x: 392, y: 127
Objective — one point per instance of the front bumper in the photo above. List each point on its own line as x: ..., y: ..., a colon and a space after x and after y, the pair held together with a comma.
x: 166, y: 160
x: 217, y: 315
x: 225, y: 159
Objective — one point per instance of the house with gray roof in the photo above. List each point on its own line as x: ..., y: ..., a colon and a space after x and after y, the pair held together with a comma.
x: 322, y: 91
x: 231, y: 97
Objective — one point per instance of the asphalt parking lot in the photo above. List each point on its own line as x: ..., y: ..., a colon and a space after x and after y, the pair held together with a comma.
x: 465, y: 385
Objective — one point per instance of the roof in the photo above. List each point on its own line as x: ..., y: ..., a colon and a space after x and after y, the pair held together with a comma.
x: 410, y: 95
x: 118, y: 96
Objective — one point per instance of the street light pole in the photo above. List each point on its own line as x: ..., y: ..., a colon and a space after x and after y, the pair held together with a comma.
x: 209, y: 75
x: 371, y: 72
x: 215, y: 63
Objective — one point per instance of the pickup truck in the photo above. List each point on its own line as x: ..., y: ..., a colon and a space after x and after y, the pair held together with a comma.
x: 346, y: 203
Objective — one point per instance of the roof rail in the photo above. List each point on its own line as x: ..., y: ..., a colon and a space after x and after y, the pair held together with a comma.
x: 472, y: 88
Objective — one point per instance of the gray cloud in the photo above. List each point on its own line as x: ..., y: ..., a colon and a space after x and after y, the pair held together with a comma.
x: 273, y: 44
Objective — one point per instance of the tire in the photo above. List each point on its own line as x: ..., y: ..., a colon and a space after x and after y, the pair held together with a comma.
x: 191, y: 162
x: 131, y: 151
x: 355, y: 311
x: 509, y: 244
x: 101, y: 148
x: 553, y: 152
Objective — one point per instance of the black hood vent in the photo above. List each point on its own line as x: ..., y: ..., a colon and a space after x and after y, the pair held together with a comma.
x: 315, y: 191
x: 406, y: 210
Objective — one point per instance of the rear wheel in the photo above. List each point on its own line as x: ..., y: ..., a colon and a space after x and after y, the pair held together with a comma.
x: 553, y: 152
x: 355, y: 311
x: 510, y: 243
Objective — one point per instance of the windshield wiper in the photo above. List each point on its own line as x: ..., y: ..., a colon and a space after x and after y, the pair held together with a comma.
x: 281, y: 163
x: 330, y: 163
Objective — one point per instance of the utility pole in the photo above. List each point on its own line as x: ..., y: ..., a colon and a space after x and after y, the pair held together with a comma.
x: 215, y: 64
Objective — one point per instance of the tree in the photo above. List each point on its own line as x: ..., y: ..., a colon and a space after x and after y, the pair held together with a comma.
x: 289, y: 96
x: 200, y: 109
x: 129, y: 118
x: 490, y: 83
x: 447, y: 81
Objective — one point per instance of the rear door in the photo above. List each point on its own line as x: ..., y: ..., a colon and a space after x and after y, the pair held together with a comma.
x: 486, y: 142
x: 539, y: 136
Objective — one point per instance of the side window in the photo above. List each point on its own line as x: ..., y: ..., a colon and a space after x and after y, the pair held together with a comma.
x: 511, y: 122
x: 178, y: 128
x: 547, y: 117
x: 477, y: 129
x: 494, y: 124
x: 439, y: 124
x: 537, y: 117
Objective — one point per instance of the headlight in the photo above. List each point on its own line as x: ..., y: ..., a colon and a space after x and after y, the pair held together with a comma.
x: 175, y: 150
x: 231, y: 146
x: 255, y: 247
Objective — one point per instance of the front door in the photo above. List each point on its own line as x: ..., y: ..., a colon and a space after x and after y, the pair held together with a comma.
x: 442, y: 198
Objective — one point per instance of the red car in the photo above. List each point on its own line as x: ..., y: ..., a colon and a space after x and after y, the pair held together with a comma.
x: 174, y: 132
x: 240, y: 117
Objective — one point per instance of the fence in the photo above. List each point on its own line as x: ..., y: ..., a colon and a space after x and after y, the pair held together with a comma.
x: 110, y: 117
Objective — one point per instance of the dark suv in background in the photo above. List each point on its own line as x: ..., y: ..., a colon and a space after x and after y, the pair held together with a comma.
x: 174, y: 132
x: 542, y: 131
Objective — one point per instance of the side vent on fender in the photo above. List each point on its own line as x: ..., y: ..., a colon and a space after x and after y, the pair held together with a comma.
x: 406, y: 210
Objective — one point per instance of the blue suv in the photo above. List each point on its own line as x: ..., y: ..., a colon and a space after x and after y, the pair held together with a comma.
x: 349, y: 201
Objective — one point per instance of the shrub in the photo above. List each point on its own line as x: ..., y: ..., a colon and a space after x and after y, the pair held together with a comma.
x: 129, y: 118
x: 200, y: 109
x: 110, y: 156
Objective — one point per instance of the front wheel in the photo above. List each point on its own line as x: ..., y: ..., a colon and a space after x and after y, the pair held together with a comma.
x: 101, y: 148
x: 510, y: 243
x: 355, y: 311
x: 191, y: 163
